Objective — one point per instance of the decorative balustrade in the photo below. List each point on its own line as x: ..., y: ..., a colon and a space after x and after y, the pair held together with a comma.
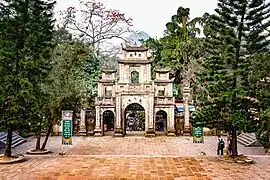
x: 134, y: 87
x: 105, y: 100
x: 164, y: 100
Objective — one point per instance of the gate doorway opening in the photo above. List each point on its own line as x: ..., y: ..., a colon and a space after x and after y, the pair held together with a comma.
x: 161, y: 122
x: 108, y: 122
x: 134, y: 123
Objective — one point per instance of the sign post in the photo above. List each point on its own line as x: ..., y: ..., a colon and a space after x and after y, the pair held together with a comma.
x: 67, y: 127
x: 198, y: 134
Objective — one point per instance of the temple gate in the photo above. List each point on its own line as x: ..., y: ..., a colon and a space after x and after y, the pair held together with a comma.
x: 134, y: 86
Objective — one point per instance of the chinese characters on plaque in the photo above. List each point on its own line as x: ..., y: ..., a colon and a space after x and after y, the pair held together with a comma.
x: 67, y: 127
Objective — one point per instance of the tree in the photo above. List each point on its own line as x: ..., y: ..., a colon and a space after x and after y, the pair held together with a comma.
x: 42, y: 24
x: 259, y: 80
x: 179, y: 48
x: 73, y: 79
x: 26, y: 31
x: 223, y: 99
x: 95, y: 24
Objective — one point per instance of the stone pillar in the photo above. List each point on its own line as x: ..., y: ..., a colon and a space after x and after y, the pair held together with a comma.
x: 82, y: 130
x: 150, y: 131
x: 60, y: 128
x: 98, y: 130
x: 118, y: 132
x: 171, y: 129
x: 148, y: 73
x: 55, y: 130
x: 186, y: 94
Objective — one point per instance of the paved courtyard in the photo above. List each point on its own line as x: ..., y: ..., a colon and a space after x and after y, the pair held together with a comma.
x: 134, y: 157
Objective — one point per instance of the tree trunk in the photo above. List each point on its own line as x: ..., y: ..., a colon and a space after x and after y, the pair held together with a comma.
x: 38, y: 139
x: 7, y: 152
x: 47, y: 136
x: 234, y: 142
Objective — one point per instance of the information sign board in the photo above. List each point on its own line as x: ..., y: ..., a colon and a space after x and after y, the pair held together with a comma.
x: 67, y: 127
x: 198, y: 134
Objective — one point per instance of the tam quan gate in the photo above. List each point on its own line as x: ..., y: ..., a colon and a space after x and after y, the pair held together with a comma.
x: 135, y: 102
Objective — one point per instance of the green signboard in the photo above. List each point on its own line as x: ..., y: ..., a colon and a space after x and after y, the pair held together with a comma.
x: 198, y: 134
x: 67, y: 127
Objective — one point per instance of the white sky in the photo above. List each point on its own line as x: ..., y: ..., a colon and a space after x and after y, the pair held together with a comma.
x: 150, y: 16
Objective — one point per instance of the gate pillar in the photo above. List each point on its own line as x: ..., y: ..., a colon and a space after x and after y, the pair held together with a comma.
x: 150, y: 131
x: 118, y: 132
x: 171, y: 129
x: 98, y: 130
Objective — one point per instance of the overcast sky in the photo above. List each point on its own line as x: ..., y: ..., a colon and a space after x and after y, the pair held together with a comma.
x: 150, y: 15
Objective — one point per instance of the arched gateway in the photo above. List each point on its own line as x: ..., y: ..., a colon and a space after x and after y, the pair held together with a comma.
x: 133, y: 89
x: 134, y: 119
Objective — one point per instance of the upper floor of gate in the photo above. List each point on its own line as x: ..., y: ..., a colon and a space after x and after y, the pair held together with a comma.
x: 134, y: 76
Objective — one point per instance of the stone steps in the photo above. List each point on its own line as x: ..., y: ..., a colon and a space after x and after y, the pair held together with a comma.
x: 248, y: 139
x: 16, y: 139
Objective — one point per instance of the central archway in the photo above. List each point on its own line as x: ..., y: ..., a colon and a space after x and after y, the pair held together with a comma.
x: 134, y: 119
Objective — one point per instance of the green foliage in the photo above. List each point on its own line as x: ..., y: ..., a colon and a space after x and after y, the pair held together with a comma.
x: 224, y: 92
x: 179, y: 47
x: 91, y: 73
x: 263, y: 133
x: 73, y: 78
x: 26, y: 46
x: 26, y: 32
x: 260, y: 86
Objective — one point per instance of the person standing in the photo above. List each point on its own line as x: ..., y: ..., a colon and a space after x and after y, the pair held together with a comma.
x: 230, y: 145
x: 220, y: 146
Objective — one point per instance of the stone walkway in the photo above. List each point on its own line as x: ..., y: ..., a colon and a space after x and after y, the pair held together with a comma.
x: 134, y: 158
x: 135, y: 145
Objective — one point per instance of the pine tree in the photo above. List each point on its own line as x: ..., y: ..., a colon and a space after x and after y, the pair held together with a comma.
x: 26, y: 30
x: 259, y: 80
x: 41, y: 46
x: 223, y: 99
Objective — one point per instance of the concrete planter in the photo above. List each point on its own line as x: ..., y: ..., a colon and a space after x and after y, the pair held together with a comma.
x: 34, y: 152
x: 239, y: 161
x: 16, y: 159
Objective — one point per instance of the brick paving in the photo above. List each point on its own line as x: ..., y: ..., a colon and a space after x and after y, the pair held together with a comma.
x: 134, y: 158
x: 84, y: 167
x: 135, y: 145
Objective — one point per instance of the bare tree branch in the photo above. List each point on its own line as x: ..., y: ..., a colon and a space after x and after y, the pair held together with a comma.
x: 94, y: 23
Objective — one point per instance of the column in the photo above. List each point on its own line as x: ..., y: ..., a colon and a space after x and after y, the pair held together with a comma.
x: 186, y: 106
x: 150, y: 131
x: 118, y: 112
x: 146, y: 119
x: 98, y: 130
x: 151, y: 111
x: 170, y: 90
x: 118, y: 132
x: 148, y: 72
x: 82, y: 130
x: 121, y: 78
x: 171, y: 129
x: 186, y: 94
x: 55, y: 130
x: 99, y: 90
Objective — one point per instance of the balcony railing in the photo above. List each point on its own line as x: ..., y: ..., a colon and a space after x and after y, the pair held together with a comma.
x: 105, y: 100
x: 164, y: 100
x: 134, y: 87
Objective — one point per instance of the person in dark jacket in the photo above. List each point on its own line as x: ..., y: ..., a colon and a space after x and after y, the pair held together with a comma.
x: 220, y: 146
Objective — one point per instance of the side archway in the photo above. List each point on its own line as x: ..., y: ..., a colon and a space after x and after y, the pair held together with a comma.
x: 161, y: 121
x: 108, y: 121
